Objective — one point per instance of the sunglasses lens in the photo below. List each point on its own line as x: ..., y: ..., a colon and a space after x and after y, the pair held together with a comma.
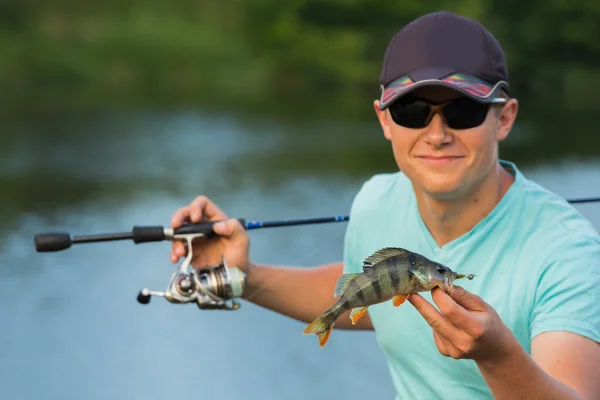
x: 465, y: 113
x: 410, y: 112
x: 462, y: 113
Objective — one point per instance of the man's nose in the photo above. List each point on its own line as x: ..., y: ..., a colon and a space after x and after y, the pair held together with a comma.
x: 436, y: 132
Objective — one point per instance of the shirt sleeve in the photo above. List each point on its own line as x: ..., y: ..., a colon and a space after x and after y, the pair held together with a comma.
x: 567, y: 296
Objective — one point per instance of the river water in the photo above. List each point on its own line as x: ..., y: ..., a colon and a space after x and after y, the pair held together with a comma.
x: 71, y: 326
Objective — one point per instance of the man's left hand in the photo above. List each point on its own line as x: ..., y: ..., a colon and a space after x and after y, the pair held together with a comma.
x: 465, y: 326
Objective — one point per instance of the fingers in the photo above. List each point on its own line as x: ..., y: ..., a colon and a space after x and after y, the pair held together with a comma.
x: 228, y: 228
x: 203, y: 207
x: 468, y: 300
x: 450, y: 309
x: 440, y: 343
x: 433, y: 317
x: 180, y: 216
x: 178, y: 250
x: 452, y: 321
x: 446, y: 347
x: 200, y: 208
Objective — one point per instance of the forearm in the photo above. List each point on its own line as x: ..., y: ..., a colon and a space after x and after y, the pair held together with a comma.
x: 517, y: 376
x: 300, y: 293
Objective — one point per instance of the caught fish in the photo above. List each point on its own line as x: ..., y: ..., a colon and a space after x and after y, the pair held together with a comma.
x: 391, y: 273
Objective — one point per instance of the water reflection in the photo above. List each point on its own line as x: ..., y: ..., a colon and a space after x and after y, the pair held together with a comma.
x: 71, y: 323
x: 52, y: 162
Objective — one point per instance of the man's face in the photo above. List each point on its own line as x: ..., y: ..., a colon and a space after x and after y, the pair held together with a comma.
x: 446, y: 163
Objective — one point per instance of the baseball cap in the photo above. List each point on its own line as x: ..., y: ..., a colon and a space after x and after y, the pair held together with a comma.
x: 443, y: 49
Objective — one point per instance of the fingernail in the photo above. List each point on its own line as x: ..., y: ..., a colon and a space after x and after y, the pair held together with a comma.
x: 195, y: 216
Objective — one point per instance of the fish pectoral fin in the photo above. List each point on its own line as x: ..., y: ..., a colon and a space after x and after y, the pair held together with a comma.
x: 399, y: 299
x: 357, y: 313
x: 342, y: 283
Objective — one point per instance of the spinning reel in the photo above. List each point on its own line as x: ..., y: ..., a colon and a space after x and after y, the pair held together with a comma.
x: 209, y: 287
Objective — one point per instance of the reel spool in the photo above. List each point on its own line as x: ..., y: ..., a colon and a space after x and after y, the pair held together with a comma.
x: 215, y: 287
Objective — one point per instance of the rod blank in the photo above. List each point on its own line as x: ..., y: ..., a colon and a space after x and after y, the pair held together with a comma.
x: 585, y: 200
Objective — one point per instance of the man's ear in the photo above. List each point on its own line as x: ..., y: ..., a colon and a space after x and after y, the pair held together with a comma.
x: 381, y: 116
x: 507, y: 118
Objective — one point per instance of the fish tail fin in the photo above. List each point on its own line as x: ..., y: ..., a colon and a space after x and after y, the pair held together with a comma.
x: 322, y: 327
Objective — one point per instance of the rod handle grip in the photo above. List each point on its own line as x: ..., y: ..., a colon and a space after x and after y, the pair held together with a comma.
x: 205, y: 228
x: 52, y: 241
x: 144, y: 234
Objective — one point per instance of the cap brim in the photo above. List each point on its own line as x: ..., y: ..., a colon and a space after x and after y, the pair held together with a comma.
x: 472, y: 87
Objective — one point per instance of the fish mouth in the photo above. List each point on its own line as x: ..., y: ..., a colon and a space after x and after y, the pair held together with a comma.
x: 452, y: 278
x: 448, y: 283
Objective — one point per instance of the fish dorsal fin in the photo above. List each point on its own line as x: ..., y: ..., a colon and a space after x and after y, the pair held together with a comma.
x: 342, y: 283
x: 381, y: 255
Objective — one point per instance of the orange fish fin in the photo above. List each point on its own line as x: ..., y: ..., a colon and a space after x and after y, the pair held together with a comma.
x: 324, y: 336
x: 399, y: 299
x: 357, y: 313
x: 321, y: 328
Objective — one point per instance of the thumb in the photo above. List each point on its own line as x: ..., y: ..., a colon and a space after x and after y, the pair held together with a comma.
x: 468, y: 300
x: 228, y: 227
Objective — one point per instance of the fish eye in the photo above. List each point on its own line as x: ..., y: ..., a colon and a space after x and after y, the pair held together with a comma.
x: 441, y: 269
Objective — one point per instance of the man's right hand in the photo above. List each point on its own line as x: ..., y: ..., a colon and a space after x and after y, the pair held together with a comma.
x: 232, y: 240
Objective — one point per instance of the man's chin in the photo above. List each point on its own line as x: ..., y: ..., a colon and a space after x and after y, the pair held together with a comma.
x: 444, y: 190
x: 445, y: 185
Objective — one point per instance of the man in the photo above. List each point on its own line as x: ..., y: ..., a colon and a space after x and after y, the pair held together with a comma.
x: 528, y: 325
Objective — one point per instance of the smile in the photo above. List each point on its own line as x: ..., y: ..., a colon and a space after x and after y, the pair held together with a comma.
x: 439, y: 160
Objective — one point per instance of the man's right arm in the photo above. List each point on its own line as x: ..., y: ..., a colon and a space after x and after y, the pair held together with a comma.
x: 301, y: 293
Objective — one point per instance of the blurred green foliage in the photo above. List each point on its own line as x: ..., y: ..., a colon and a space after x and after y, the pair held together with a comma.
x: 268, y: 53
x: 64, y: 63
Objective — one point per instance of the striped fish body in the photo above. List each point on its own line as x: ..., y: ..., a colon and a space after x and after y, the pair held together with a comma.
x: 380, y: 283
x: 389, y: 274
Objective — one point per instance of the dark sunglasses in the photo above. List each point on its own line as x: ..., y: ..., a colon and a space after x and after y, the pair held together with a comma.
x: 461, y: 113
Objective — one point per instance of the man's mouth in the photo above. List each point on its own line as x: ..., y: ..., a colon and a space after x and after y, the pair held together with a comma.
x: 439, y: 160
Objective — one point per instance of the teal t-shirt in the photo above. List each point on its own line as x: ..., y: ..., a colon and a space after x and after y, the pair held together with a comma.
x: 536, y: 261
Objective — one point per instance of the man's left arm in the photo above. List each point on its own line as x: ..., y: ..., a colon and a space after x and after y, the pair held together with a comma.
x: 563, y: 365
x: 565, y: 353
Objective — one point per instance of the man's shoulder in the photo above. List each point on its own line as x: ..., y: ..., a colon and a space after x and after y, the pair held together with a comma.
x: 553, y: 214
x: 552, y: 225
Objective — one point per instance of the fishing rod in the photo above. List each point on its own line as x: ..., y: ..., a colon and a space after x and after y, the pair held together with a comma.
x: 209, y: 287
x: 212, y: 287
x: 56, y: 241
